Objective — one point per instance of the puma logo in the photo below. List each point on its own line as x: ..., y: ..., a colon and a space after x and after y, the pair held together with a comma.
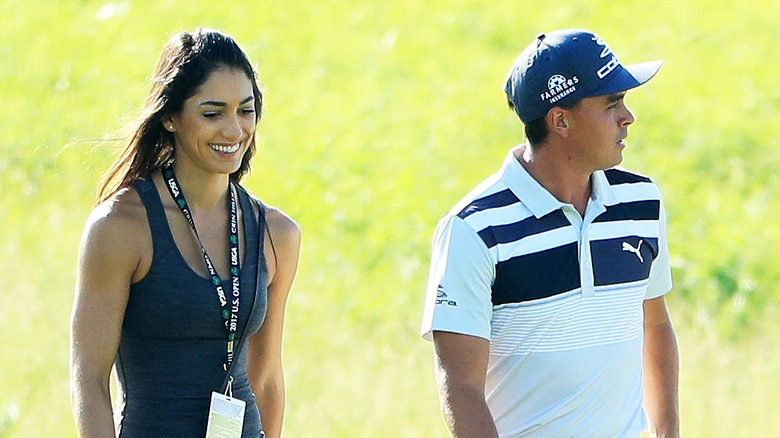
x: 627, y: 247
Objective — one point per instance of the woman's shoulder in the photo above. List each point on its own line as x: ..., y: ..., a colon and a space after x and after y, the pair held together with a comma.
x: 284, y: 237
x: 122, y: 213
x: 116, y: 236
x: 284, y: 233
x: 280, y: 224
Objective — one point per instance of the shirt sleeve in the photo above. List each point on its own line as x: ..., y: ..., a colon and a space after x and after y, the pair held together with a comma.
x: 660, y: 281
x: 462, y: 271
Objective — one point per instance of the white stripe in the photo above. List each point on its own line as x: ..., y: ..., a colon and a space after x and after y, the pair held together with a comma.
x: 537, y: 243
x: 569, y: 321
x: 486, y: 188
x: 506, y: 215
x: 618, y: 229
x: 643, y: 191
x: 494, y: 257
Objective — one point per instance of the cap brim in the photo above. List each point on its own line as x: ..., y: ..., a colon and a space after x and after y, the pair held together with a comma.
x: 630, y: 76
x: 645, y: 71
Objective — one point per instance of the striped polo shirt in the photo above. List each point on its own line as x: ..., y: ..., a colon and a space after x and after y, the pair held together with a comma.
x: 559, y: 296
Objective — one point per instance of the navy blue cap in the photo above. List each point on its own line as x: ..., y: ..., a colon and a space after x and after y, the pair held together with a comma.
x: 559, y: 68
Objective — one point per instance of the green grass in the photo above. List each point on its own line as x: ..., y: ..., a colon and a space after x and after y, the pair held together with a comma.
x: 380, y: 116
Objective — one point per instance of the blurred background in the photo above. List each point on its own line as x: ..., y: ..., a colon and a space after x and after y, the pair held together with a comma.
x: 380, y: 116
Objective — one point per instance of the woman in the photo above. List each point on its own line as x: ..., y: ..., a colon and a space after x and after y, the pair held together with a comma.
x: 182, y: 277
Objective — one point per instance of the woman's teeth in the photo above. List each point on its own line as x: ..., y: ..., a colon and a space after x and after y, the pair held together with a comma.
x: 225, y: 149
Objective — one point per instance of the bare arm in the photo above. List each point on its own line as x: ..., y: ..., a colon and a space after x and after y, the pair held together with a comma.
x: 266, y: 374
x: 461, y: 366
x: 107, y: 264
x: 661, y: 369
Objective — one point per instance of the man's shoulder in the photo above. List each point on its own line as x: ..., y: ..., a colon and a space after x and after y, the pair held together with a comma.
x: 489, y: 205
x: 490, y: 193
x: 618, y: 175
x: 630, y: 186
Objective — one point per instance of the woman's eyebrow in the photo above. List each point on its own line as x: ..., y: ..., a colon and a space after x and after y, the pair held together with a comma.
x: 220, y: 103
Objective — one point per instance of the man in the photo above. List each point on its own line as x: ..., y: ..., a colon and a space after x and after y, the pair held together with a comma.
x: 546, y: 292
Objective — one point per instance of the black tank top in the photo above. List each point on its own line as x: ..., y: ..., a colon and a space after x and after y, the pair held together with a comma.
x: 172, y: 345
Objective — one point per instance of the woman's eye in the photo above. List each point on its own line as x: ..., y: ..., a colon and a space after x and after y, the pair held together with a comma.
x: 210, y: 115
x: 248, y: 111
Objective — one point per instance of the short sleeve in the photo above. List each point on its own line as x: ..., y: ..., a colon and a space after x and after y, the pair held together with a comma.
x: 458, y: 297
x: 660, y: 281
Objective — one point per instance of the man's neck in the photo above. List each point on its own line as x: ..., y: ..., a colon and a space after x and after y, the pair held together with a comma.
x: 557, y: 174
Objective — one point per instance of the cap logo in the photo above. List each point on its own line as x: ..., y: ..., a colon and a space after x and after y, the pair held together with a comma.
x: 605, y: 51
x: 559, y: 87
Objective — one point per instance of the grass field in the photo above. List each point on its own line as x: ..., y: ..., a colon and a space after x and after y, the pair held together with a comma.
x: 380, y: 116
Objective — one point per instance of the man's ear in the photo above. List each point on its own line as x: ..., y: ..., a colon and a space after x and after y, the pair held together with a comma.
x: 557, y: 121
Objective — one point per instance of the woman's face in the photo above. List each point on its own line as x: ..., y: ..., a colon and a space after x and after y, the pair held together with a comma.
x: 215, y: 126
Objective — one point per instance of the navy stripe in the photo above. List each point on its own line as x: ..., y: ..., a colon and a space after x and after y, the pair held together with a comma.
x: 539, y: 275
x: 496, y: 234
x: 614, y: 265
x: 639, y: 210
x: 498, y: 199
x: 617, y: 177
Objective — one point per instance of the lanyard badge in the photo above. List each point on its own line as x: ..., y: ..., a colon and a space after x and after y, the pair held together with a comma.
x: 228, y: 307
x: 226, y: 415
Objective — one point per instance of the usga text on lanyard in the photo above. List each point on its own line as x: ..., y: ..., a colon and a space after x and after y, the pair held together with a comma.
x: 228, y: 309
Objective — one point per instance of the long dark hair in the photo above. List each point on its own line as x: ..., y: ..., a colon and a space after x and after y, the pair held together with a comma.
x: 187, y: 60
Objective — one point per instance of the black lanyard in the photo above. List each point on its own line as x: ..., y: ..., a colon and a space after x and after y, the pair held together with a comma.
x: 229, y: 310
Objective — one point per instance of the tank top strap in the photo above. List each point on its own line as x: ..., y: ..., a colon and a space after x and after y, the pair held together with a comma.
x: 162, y: 239
x: 258, y: 230
x: 254, y: 232
x: 250, y: 218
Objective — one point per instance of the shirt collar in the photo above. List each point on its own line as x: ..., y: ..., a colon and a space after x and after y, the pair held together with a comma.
x: 602, y: 189
x: 540, y: 201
